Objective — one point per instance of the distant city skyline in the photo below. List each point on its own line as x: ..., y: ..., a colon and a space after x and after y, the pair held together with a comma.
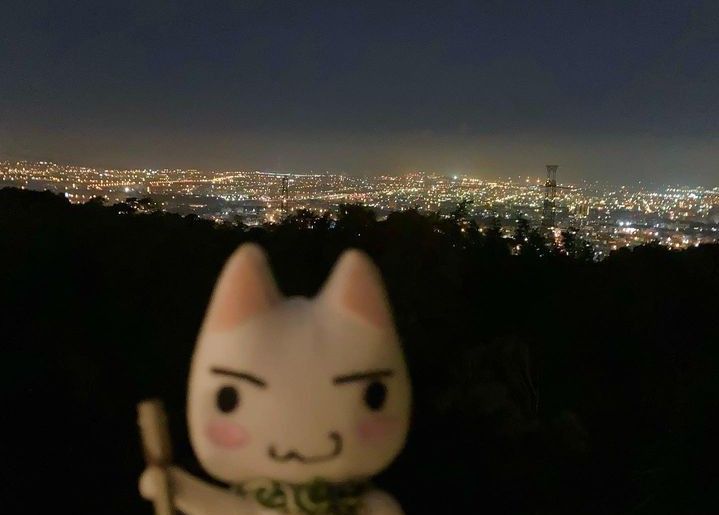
x: 567, y: 172
x: 609, y: 217
x: 621, y: 91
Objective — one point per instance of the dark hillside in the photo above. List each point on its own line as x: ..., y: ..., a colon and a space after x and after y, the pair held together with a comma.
x: 545, y: 384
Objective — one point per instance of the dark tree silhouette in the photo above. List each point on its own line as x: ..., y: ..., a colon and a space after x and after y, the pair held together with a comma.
x: 461, y: 212
x: 543, y: 383
x: 97, y: 200
x: 576, y: 247
x: 148, y: 204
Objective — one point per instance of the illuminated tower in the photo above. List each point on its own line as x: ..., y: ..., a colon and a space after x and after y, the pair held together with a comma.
x: 550, y: 194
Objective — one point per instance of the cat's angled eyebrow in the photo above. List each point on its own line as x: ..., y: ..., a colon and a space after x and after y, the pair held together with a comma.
x: 362, y: 376
x: 240, y: 375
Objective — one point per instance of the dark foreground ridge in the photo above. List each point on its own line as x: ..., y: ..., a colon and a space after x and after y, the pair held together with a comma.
x: 544, y: 384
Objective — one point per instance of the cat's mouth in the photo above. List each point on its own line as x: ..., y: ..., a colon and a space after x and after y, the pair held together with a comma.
x: 297, y: 456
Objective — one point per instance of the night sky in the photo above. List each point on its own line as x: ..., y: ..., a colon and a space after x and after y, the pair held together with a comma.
x: 621, y: 91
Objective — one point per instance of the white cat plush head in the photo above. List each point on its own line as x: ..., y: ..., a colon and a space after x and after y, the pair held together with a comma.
x: 294, y: 389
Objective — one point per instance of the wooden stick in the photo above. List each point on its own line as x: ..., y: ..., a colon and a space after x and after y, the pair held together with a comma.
x: 156, y: 444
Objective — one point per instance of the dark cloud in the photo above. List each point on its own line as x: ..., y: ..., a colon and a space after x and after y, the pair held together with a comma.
x: 617, y: 89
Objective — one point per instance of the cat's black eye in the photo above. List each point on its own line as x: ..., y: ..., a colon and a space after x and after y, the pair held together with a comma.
x: 228, y: 398
x: 375, y: 395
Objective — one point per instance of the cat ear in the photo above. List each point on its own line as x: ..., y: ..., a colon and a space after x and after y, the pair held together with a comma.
x: 355, y: 285
x: 245, y: 288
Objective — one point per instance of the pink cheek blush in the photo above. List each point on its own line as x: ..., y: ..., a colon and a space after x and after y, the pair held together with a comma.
x: 373, y: 429
x: 226, y: 434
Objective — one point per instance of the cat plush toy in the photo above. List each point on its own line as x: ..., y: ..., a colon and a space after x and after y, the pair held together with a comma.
x: 295, y: 403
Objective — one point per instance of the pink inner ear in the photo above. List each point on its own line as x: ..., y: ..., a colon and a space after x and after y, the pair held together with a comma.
x: 356, y: 285
x: 245, y: 289
x: 366, y: 298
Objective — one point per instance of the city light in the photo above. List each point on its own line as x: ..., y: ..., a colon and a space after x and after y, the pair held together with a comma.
x: 607, y: 217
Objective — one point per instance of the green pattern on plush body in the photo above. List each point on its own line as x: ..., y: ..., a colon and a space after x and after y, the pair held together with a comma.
x: 193, y: 496
x: 317, y: 497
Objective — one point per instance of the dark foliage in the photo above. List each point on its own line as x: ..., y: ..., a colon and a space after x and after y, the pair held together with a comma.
x: 544, y: 383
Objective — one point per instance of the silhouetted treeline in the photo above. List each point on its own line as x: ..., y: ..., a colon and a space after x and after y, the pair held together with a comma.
x: 545, y: 383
